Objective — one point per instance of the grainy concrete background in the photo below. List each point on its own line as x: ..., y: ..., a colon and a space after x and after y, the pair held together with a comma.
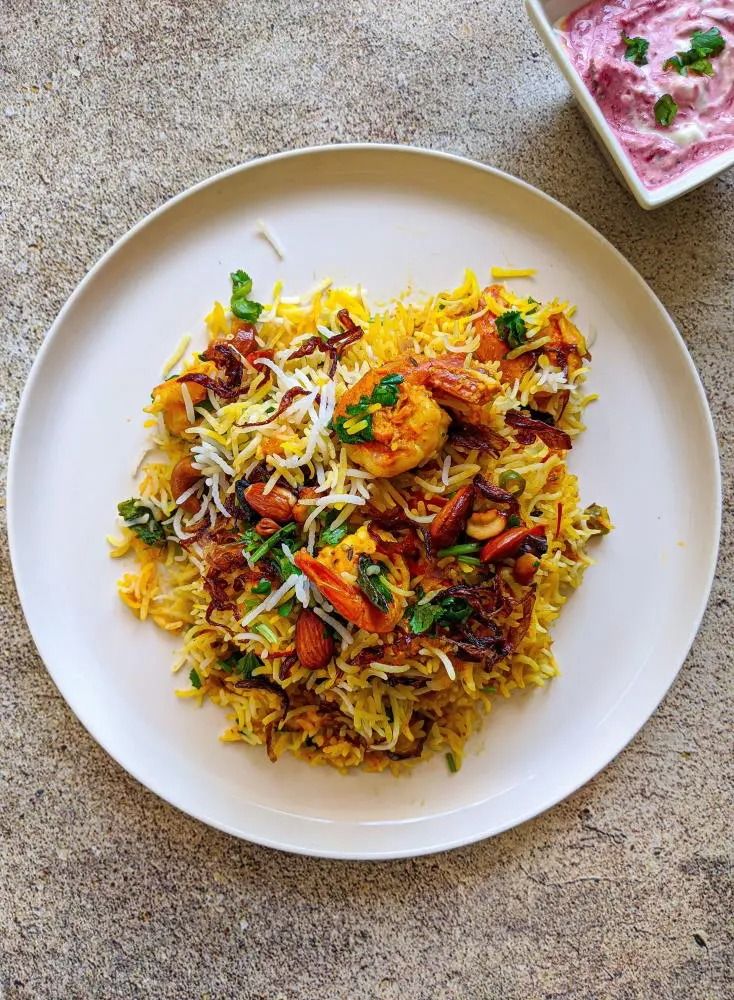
x: 623, y: 891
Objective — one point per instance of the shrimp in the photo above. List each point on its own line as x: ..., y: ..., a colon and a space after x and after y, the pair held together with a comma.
x: 167, y: 398
x: 327, y: 571
x: 493, y: 348
x: 565, y: 349
x: 410, y: 432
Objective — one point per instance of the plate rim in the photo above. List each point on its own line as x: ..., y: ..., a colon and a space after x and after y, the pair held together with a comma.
x: 281, y: 841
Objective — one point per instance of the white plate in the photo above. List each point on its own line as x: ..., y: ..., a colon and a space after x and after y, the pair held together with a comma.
x: 385, y: 217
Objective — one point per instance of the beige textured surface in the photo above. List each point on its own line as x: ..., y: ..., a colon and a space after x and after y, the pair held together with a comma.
x: 625, y: 890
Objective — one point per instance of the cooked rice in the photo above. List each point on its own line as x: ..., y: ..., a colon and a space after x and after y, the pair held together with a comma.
x: 346, y: 714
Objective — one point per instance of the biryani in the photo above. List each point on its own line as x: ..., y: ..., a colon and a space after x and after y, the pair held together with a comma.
x: 360, y: 522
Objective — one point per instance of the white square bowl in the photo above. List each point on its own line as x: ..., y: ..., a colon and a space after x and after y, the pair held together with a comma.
x: 547, y: 13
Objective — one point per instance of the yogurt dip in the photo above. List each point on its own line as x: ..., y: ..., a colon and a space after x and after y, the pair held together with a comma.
x: 627, y: 93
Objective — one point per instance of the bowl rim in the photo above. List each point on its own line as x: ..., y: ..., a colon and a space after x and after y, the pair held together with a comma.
x: 647, y: 198
x: 284, y: 842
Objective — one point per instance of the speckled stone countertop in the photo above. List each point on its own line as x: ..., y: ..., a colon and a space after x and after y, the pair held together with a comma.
x: 624, y: 890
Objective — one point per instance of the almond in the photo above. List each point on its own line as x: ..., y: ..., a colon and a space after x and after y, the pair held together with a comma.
x: 314, y: 644
x: 449, y: 523
x: 277, y: 504
x: 183, y: 477
x: 266, y: 527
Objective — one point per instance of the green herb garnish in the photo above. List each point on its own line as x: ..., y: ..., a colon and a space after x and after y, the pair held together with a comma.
x: 451, y: 763
x: 240, y: 303
x: 242, y: 665
x: 442, y: 611
x: 386, y: 391
x: 469, y: 560
x: 332, y: 536
x: 266, y: 632
x: 263, y: 586
x: 465, y: 549
x: 512, y: 328
x: 195, y: 679
x: 708, y: 43
x: 151, y: 532
x: 359, y: 430
x: 665, y: 110
x: 283, y: 564
x: 285, y: 609
x: 256, y: 547
x: 704, y: 44
x: 371, y: 582
x: 356, y: 426
x: 636, y: 49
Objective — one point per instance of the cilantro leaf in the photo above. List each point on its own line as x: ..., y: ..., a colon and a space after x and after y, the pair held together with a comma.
x: 372, y: 583
x: 702, y: 66
x: 151, y: 531
x: 511, y: 328
x: 241, y: 282
x: 696, y: 59
x: 386, y: 390
x: 665, y: 110
x: 283, y: 564
x: 708, y: 43
x: 128, y: 509
x: 195, y: 679
x: 453, y: 610
x: 240, y: 303
x: 422, y: 617
x: 636, y: 49
x: 443, y: 611
x: 385, y: 393
x: 347, y: 436
x: 246, y: 310
x: 243, y: 665
x: 332, y: 536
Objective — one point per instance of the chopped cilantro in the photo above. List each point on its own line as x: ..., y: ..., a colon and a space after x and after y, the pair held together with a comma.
x: 240, y: 303
x: 243, y: 665
x: 708, y: 43
x: 195, y: 679
x: 263, y: 586
x: 636, y: 49
x: 358, y: 433
x: 356, y: 426
x: 704, y: 44
x: 128, y: 509
x: 443, y: 611
x: 151, y: 531
x: 285, y: 609
x: 511, y: 328
x: 665, y: 110
x: 283, y: 564
x: 386, y: 390
x: 266, y: 632
x: 256, y: 547
x: 332, y: 536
